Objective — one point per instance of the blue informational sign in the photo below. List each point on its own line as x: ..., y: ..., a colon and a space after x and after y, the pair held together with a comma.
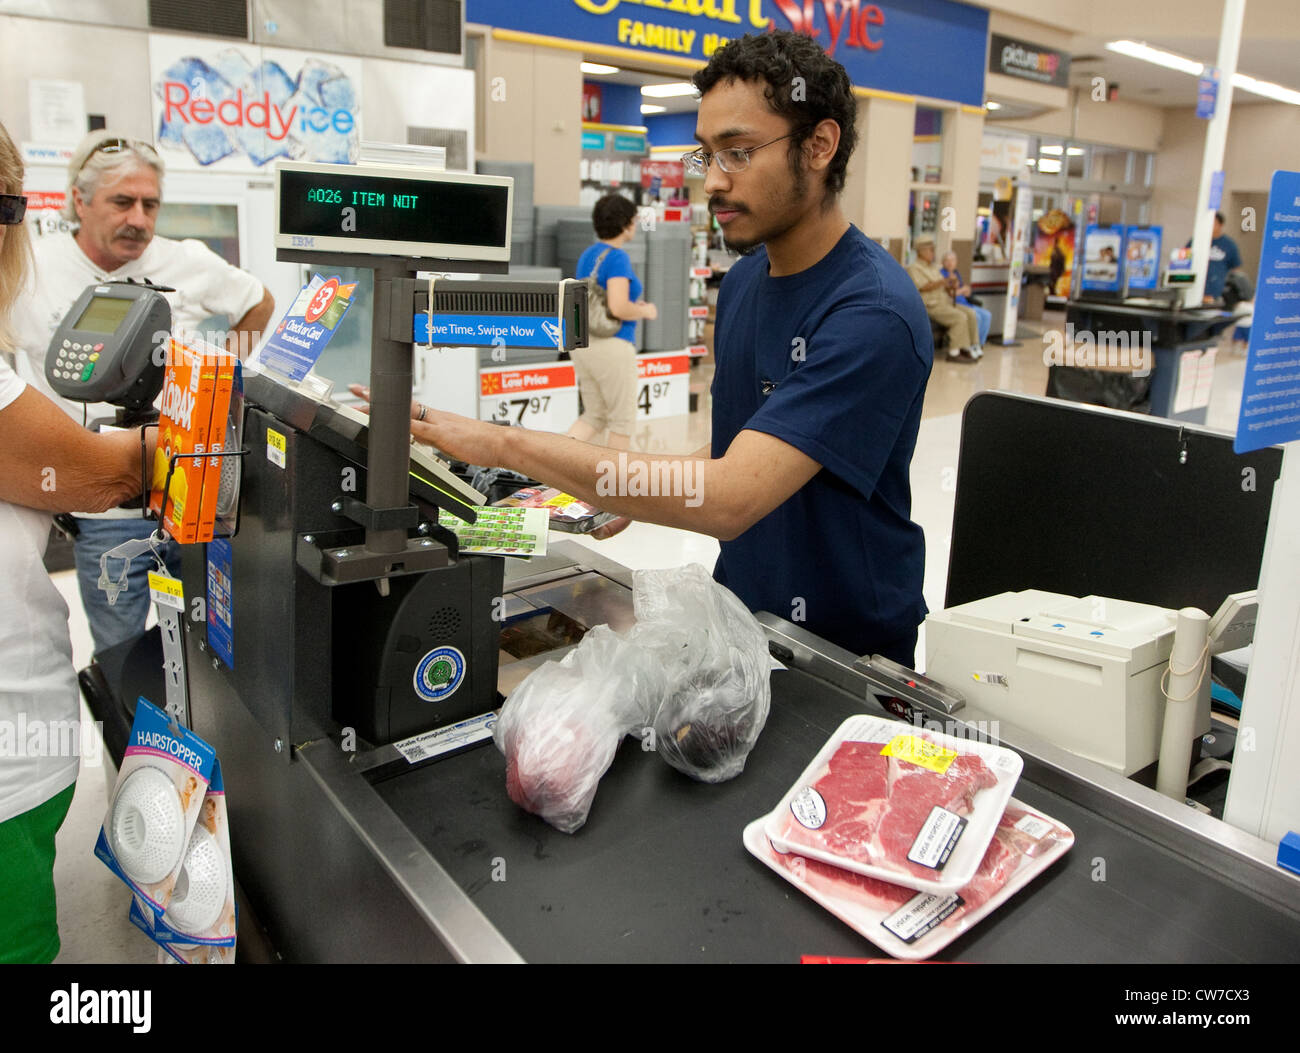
x: 632, y: 144
x: 221, y: 601
x: 935, y: 48
x: 1216, y: 190
x: 307, y: 327
x: 1270, y: 397
x: 593, y: 140
x: 1103, y: 249
x: 477, y: 330
x: 1142, y: 257
x: 1207, y: 93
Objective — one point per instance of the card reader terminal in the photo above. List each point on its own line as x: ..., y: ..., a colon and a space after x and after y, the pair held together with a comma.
x: 103, y: 350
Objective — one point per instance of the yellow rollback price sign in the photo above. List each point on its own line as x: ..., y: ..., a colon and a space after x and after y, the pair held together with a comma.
x: 916, y: 750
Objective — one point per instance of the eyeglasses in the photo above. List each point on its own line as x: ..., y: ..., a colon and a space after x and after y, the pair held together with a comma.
x: 734, y: 159
x: 13, y: 207
x: 117, y: 146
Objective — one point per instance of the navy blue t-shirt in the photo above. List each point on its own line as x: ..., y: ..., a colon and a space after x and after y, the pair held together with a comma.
x: 1224, y: 256
x: 834, y: 361
x: 618, y: 264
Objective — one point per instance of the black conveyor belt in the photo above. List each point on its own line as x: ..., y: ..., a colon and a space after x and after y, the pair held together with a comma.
x: 659, y: 872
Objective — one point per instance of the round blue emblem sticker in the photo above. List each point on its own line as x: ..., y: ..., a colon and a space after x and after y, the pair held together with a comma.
x: 439, y: 674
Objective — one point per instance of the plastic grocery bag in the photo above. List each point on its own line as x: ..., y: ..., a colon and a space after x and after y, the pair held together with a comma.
x: 560, y: 727
x: 714, y: 656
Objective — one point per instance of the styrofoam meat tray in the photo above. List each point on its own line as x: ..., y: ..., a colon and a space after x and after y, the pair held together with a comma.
x: 916, y: 925
x: 905, y: 805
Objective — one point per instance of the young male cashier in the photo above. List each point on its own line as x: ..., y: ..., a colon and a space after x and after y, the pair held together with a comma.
x: 823, y: 350
x: 114, y: 194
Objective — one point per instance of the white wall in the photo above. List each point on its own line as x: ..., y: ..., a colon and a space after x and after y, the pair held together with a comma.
x: 1262, y: 138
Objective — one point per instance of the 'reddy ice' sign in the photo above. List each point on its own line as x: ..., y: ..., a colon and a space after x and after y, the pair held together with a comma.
x: 237, y: 107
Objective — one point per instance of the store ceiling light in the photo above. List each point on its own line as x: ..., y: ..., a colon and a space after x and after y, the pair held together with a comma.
x: 1266, y: 88
x: 1075, y: 151
x: 648, y: 108
x: 1055, y: 151
x: 1032, y: 162
x: 1168, y: 59
x: 991, y: 105
x: 596, y: 69
x: 668, y: 91
x: 1048, y: 165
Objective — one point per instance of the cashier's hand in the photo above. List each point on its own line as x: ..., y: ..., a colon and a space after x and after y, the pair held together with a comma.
x: 471, y: 441
x: 614, y: 526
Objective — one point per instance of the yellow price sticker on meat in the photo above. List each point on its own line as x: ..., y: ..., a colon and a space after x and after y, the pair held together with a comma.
x: 559, y: 501
x: 916, y: 750
x: 275, y: 447
x: 166, y: 591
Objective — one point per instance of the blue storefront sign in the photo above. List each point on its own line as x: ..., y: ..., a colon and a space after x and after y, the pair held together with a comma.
x: 935, y: 48
x: 1270, y: 397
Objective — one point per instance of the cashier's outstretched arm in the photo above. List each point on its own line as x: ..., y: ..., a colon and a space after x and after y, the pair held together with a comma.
x: 722, y: 497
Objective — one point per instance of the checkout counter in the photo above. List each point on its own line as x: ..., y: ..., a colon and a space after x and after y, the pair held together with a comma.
x: 350, y: 848
x: 1140, y: 326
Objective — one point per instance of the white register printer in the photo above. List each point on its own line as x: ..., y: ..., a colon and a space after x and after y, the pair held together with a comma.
x: 1082, y: 673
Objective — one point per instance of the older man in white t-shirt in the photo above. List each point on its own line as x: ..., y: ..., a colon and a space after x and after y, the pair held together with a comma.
x: 114, y: 194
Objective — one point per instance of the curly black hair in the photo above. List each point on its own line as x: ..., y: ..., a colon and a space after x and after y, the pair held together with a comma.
x: 825, y: 89
x: 611, y: 215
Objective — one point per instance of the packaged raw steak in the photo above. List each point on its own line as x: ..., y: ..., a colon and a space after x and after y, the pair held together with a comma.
x: 915, y: 925
x: 892, y: 801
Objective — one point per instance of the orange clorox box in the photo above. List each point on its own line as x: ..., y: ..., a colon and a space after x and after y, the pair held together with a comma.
x: 190, y: 397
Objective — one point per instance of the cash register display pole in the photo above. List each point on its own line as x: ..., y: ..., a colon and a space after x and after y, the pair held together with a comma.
x: 388, y: 460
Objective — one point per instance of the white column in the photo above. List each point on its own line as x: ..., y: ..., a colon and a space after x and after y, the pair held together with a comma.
x: 1216, y: 139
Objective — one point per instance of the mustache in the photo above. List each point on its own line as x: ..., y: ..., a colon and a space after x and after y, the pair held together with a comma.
x: 130, y: 233
x: 719, y: 205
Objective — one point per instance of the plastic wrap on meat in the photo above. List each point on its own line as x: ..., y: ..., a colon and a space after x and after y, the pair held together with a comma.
x: 875, y: 806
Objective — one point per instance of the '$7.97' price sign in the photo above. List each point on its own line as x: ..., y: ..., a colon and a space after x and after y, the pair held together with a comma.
x: 542, y: 397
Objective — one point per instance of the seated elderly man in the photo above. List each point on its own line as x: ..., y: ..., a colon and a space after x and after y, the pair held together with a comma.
x: 937, y: 295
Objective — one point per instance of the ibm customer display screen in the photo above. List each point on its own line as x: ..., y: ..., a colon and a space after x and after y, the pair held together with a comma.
x: 334, y: 207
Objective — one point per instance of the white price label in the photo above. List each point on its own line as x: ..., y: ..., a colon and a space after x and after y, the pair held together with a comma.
x: 1033, y: 826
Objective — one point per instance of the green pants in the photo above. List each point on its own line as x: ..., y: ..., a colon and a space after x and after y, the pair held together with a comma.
x: 29, y: 922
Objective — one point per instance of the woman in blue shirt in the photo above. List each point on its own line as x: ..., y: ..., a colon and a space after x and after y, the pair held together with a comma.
x: 606, y: 369
x: 982, y: 314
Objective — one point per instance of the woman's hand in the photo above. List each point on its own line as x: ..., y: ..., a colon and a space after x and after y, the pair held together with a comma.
x: 472, y: 441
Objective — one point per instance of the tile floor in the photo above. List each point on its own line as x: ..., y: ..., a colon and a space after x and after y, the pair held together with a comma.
x: 93, y: 905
